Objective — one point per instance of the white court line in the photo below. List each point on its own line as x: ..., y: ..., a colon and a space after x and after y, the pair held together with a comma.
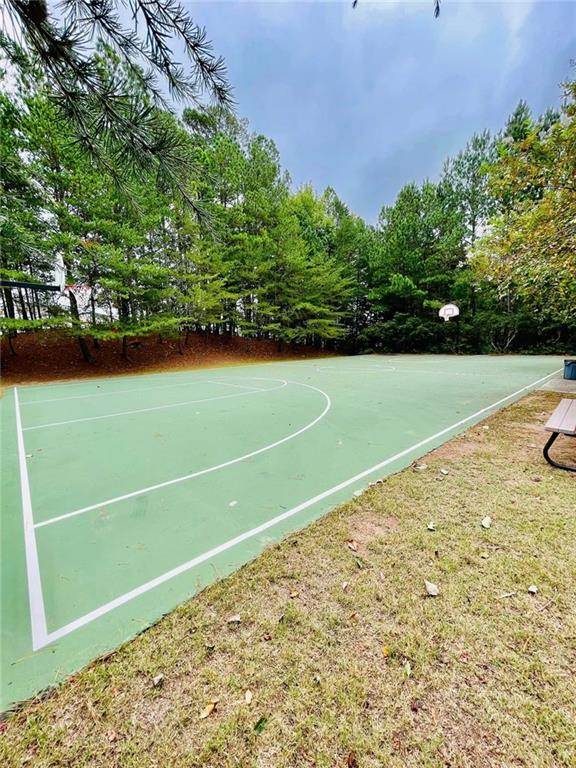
x: 239, y: 386
x: 201, y: 472
x: 436, y: 372
x: 186, y: 383
x: 155, y: 407
x: 153, y: 583
x: 35, y: 597
x: 371, y: 369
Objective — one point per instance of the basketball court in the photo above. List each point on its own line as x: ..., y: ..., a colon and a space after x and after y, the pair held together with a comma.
x: 123, y: 497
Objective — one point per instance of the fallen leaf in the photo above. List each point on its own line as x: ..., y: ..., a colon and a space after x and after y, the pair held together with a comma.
x: 507, y: 594
x: 358, y: 493
x: 484, y: 555
x: 351, y: 760
x: 407, y: 668
x: 209, y: 708
x: 355, y: 616
x: 419, y: 467
x: 536, y: 479
x: 385, y: 651
x: 236, y: 619
x: 431, y: 588
x: 353, y: 545
x: 267, y: 636
x: 158, y: 681
x: 248, y: 697
x: 486, y: 522
x: 431, y: 526
x: 261, y: 724
x: 533, y: 589
x: 294, y: 593
x: 345, y: 585
x: 444, y: 471
x: 111, y: 736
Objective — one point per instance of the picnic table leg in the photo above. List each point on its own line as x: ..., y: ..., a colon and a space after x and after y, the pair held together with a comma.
x: 550, y: 460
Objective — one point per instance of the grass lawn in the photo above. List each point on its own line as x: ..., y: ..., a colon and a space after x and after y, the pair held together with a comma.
x: 327, y: 650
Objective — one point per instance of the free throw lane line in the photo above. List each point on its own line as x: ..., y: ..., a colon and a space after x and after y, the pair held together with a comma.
x: 113, y: 392
x: 253, y: 391
x: 162, y: 579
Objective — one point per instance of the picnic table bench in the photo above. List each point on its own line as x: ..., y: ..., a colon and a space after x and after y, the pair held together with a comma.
x: 562, y: 422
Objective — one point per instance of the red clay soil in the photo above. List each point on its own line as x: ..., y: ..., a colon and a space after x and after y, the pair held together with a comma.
x: 53, y: 356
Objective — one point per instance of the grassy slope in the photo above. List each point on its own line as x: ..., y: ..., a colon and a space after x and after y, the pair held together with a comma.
x: 372, y: 674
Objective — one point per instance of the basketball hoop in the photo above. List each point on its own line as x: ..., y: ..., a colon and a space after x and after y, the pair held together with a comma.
x: 82, y: 294
x: 448, y: 311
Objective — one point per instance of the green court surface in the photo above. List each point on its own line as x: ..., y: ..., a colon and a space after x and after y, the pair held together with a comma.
x: 122, y: 497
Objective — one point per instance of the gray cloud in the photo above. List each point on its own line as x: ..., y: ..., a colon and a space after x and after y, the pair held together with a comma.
x: 368, y: 100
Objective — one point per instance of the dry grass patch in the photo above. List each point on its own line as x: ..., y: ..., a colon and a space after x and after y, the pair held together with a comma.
x: 347, y: 661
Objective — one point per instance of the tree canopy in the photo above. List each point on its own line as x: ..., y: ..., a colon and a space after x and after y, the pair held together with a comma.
x: 495, y: 234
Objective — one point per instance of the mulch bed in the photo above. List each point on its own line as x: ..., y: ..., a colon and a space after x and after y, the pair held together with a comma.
x: 52, y: 356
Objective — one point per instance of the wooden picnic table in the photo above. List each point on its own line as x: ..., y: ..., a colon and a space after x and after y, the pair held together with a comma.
x: 562, y: 422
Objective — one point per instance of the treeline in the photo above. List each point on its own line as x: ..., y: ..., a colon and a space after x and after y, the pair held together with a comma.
x: 235, y: 250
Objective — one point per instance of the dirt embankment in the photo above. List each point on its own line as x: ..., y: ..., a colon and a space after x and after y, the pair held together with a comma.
x: 51, y: 356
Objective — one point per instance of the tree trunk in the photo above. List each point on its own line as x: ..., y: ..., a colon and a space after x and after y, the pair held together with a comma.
x: 9, y: 301
x: 22, y: 305
x: 11, y: 343
x: 29, y: 305
x: 180, y: 350
x: 81, y: 340
x: 125, y: 347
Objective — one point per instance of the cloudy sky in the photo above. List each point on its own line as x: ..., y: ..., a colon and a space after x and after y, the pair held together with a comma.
x: 369, y: 99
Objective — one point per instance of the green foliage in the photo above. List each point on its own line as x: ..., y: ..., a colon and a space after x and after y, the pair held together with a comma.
x: 530, y: 250
x: 495, y: 235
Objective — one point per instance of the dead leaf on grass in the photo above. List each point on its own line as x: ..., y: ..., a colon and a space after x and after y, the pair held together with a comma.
x: 158, y: 681
x: 351, y: 761
x: 234, y: 620
x: 431, y: 588
x: 209, y: 708
x: 486, y: 522
x: 533, y: 589
x: 248, y: 696
x: 353, y: 545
